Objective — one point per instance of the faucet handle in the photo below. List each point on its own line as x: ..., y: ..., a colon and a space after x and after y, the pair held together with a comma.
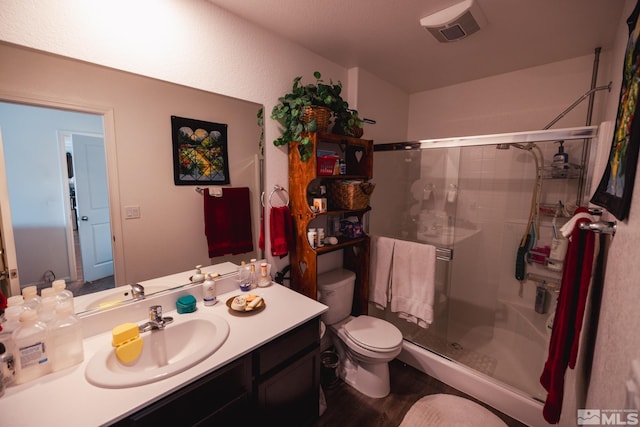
x: 155, y: 313
x: 137, y: 290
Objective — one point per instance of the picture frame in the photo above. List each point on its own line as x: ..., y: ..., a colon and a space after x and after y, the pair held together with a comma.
x: 200, y: 154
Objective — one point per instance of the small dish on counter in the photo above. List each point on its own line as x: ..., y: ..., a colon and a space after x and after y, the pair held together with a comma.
x: 246, y: 304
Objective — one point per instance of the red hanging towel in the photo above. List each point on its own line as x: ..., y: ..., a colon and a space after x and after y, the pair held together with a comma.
x: 281, y: 230
x: 563, y: 346
x: 227, y: 222
x: 261, y: 238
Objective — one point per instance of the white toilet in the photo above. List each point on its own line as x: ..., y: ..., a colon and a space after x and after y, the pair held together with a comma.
x: 365, y: 344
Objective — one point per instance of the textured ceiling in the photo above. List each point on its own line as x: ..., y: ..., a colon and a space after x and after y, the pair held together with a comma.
x: 385, y: 37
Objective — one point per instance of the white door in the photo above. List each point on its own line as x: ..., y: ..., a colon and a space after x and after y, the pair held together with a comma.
x: 94, y: 228
x: 9, y: 261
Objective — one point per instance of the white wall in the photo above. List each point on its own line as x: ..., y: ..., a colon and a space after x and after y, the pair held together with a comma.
x: 617, y: 342
x: 35, y: 169
x: 378, y: 100
x: 518, y: 101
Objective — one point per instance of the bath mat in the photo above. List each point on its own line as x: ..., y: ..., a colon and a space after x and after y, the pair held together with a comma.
x: 447, y: 410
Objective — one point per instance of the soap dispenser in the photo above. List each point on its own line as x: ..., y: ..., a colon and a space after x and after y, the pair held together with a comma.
x: 198, y: 276
x: 561, y: 159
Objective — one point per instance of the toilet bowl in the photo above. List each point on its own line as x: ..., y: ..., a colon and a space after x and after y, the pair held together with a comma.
x: 365, y: 344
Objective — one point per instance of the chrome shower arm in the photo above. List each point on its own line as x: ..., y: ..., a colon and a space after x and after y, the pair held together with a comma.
x: 575, y: 104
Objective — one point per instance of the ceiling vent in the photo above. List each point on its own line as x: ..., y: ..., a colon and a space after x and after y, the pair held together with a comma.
x: 455, y: 22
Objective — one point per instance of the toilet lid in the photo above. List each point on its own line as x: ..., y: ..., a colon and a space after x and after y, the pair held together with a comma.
x: 373, y: 333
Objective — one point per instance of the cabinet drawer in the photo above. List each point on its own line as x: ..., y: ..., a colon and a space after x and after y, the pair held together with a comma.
x: 283, y: 349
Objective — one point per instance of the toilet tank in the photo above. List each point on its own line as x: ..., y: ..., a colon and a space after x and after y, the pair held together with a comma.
x: 335, y: 290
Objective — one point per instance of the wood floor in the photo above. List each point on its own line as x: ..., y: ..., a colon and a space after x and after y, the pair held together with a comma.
x: 346, y: 407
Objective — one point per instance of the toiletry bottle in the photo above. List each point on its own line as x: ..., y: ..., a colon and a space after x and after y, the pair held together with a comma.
x: 209, y: 289
x: 31, y: 346
x: 561, y: 159
x: 198, y: 276
x: 10, y: 324
x: 312, y: 237
x: 264, y: 280
x: 31, y: 298
x: 48, y: 304
x: 65, y: 296
x: 243, y: 276
x: 253, y: 280
x: 15, y: 300
x: 320, y: 237
x: 65, y: 339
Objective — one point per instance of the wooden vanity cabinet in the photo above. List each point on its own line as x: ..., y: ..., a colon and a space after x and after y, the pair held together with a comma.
x: 278, y: 382
x: 287, y: 377
x: 214, y: 400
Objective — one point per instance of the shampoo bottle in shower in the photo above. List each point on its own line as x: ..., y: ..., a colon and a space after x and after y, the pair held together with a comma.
x: 561, y: 159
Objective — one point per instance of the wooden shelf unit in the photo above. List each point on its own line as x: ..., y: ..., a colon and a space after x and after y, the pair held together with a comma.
x: 358, y: 156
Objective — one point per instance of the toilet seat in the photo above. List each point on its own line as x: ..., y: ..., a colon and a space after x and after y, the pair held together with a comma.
x: 373, y: 334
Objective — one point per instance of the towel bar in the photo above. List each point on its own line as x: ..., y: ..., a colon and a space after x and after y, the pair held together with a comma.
x: 444, y: 254
x: 604, y: 227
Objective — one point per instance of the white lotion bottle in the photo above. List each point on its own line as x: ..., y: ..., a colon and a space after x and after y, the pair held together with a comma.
x: 209, y: 289
x: 31, y: 346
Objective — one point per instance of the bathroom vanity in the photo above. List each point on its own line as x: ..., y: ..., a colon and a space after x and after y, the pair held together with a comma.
x: 266, y: 369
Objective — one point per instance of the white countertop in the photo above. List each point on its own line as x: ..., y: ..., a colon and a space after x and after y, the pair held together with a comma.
x: 65, y: 398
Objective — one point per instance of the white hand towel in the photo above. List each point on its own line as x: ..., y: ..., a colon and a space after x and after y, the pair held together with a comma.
x: 413, y: 282
x: 381, y: 257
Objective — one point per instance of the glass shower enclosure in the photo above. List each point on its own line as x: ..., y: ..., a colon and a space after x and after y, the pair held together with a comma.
x: 476, y: 199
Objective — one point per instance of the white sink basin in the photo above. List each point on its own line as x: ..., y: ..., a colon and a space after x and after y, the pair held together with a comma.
x: 167, y: 352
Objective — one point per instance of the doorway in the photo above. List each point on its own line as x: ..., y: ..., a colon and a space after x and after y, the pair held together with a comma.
x: 46, y: 152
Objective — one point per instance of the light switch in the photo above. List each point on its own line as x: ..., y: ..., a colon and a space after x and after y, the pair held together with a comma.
x: 132, y: 212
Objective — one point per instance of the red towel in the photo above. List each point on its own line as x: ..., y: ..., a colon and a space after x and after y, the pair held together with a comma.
x: 281, y: 228
x: 261, y: 238
x: 567, y: 324
x: 227, y: 222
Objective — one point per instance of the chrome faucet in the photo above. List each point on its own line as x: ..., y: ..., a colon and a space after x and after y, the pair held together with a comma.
x: 156, y: 321
x: 137, y: 291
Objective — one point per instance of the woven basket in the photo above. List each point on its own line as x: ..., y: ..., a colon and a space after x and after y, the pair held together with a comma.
x: 347, y: 195
x: 321, y: 114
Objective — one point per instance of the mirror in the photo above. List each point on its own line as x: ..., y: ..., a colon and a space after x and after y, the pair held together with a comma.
x: 156, y: 227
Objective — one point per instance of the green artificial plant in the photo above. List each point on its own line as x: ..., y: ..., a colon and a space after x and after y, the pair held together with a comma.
x: 291, y: 108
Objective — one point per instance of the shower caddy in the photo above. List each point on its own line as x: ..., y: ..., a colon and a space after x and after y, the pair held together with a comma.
x: 357, y: 155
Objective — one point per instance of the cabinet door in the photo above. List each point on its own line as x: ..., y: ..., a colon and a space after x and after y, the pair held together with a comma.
x: 213, y: 400
x: 291, y: 396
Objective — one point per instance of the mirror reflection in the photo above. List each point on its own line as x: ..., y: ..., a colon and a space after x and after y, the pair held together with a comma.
x: 103, y: 159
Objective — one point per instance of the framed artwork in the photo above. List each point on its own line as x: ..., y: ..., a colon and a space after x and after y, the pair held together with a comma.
x: 200, y: 153
x: 616, y: 186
